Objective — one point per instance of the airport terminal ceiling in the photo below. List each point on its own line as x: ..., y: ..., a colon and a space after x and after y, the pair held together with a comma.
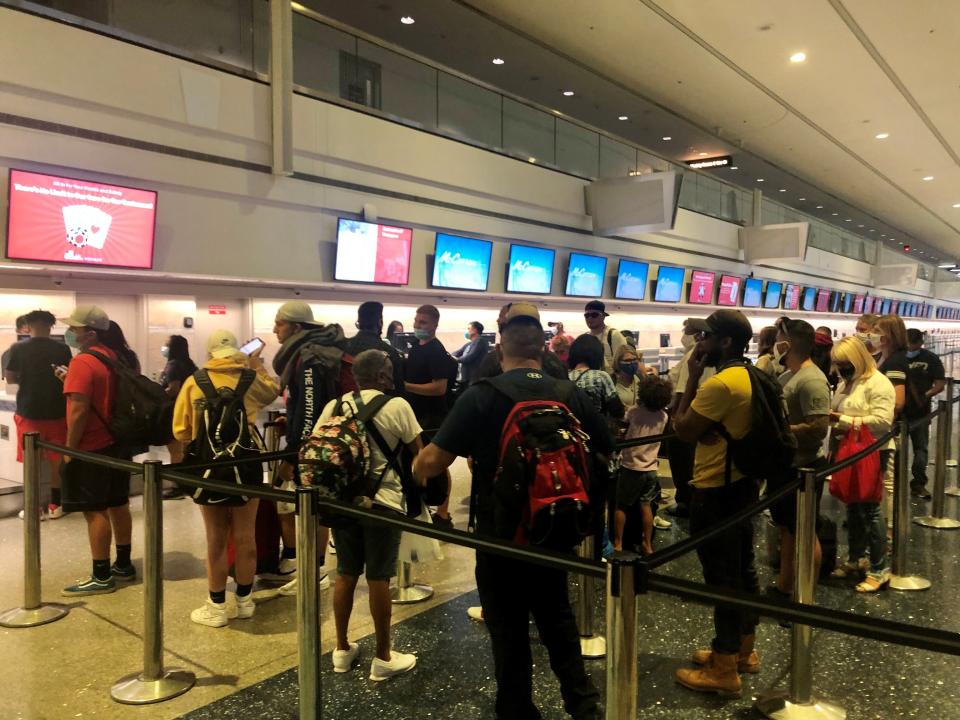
x: 860, y: 132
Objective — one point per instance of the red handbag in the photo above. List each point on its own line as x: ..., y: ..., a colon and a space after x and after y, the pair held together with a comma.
x: 861, y: 482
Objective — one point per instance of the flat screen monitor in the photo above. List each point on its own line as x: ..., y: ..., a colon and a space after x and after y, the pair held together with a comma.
x: 585, y: 275
x: 729, y: 293
x: 79, y: 222
x: 669, y: 284
x: 771, y: 299
x: 461, y: 263
x: 858, y: 304
x: 808, y: 299
x: 530, y: 270
x: 632, y: 280
x: 868, y: 304
x: 823, y: 301
x: 836, y: 297
x: 848, y: 303
x: 894, y: 307
x: 752, y: 292
x: 791, y: 297
x: 701, y: 287
x: 886, y: 307
x: 372, y: 253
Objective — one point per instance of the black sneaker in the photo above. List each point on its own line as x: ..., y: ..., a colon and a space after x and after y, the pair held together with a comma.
x: 123, y: 574
x: 921, y: 493
x: 443, y: 522
x: 90, y: 586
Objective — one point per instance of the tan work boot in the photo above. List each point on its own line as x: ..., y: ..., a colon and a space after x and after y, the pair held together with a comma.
x: 747, y: 661
x: 720, y: 676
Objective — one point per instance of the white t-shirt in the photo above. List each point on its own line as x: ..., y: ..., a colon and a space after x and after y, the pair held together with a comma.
x: 397, y: 423
x: 684, y: 373
x: 612, y: 340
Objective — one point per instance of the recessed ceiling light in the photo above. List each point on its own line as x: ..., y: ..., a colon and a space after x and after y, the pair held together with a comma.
x: 883, y: 234
x: 531, y: 159
x: 703, y: 154
x: 819, y: 207
x: 928, y: 178
x: 859, y: 225
x: 734, y: 167
x: 407, y: 20
x: 956, y: 205
x: 498, y: 61
x: 847, y: 220
x: 872, y: 230
x: 801, y: 199
x: 882, y: 136
x: 759, y: 179
x: 783, y: 189
x: 834, y: 214
x: 568, y: 93
x: 798, y: 57
x: 623, y: 117
x: 946, y: 266
x: 666, y: 137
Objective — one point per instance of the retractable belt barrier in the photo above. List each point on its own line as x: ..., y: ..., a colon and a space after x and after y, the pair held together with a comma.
x: 628, y: 576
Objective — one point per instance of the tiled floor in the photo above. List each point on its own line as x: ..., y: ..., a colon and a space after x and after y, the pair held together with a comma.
x: 65, y: 670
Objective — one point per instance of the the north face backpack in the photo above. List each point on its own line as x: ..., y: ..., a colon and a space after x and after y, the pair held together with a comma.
x: 542, y: 477
x: 142, y: 410
x: 223, y: 432
x: 336, y: 455
x: 767, y: 451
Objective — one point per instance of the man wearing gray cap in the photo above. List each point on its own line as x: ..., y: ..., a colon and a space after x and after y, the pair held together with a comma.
x: 724, y: 402
x: 510, y: 590
x: 308, y: 363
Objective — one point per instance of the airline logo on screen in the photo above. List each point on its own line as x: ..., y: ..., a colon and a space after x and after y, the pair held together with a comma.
x: 582, y: 281
x: 529, y: 277
x: 78, y: 221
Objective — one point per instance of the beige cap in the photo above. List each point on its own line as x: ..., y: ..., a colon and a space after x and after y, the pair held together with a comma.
x: 522, y: 311
x: 222, y: 344
x: 89, y: 316
x: 296, y: 311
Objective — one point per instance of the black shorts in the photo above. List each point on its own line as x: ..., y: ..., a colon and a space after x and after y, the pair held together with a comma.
x: 784, y: 513
x: 636, y: 488
x: 86, y: 486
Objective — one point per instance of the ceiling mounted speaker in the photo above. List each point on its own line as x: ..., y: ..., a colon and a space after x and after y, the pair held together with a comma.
x: 896, y: 276
x: 774, y: 242
x: 634, y: 204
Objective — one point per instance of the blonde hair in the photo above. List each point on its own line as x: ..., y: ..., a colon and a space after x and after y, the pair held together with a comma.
x: 852, y: 350
x: 892, y: 326
x: 623, y: 350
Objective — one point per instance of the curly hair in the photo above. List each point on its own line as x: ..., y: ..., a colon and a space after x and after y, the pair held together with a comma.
x: 654, y: 393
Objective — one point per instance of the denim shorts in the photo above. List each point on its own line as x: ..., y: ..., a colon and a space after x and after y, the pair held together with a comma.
x: 636, y: 488
x: 365, y: 544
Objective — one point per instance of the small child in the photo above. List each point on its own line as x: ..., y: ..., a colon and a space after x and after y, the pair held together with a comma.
x: 639, y: 484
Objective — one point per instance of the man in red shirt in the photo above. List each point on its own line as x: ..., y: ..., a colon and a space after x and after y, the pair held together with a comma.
x: 101, y: 494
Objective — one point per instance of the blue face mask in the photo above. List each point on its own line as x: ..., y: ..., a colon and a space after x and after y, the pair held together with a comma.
x: 629, y: 368
x: 70, y: 338
x: 912, y: 353
x: 467, y: 335
x: 422, y: 334
x: 165, y: 351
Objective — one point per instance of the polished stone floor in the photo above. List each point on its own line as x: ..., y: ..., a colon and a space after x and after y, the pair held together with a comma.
x: 65, y: 670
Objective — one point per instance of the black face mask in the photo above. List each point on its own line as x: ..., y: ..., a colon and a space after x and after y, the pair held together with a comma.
x: 846, y: 373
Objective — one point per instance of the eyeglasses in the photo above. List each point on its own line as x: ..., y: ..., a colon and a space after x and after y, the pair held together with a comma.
x: 590, y: 315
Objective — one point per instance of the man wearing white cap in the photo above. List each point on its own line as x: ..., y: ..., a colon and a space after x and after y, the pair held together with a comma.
x: 101, y: 494
x: 226, y: 368
x: 308, y: 364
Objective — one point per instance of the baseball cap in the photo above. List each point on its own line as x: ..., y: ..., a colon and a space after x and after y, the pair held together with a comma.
x: 222, y: 344
x: 723, y: 323
x: 89, y: 316
x: 596, y: 306
x: 522, y: 311
x: 296, y: 311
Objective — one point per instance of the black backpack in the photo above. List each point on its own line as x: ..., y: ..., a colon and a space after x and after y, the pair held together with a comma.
x: 142, y: 410
x: 223, y: 431
x: 767, y: 451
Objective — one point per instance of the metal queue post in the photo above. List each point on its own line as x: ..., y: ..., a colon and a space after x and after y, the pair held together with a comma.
x: 951, y: 455
x: 622, y: 648
x: 33, y: 612
x: 798, y: 702
x: 408, y: 592
x: 936, y: 517
x: 591, y: 644
x: 308, y: 604
x: 155, y: 683
x: 900, y: 579
x: 954, y: 441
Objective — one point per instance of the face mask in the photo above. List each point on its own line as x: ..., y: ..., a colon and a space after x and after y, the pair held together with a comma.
x: 780, y: 356
x: 467, y: 335
x: 629, y: 368
x: 871, y: 340
x: 70, y: 338
x: 846, y: 373
x: 165, y: 351
x: 912, y: 353
x: 687, y: 341
x: 422, y: 334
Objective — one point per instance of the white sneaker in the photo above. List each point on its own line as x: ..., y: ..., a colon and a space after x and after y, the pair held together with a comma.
x: 475, y: 613
x: 245, y: 607
x: 399, y: 663
x: 662, y: 523
x: 43, y: 515
x: 343, y: 659
x: 288, y: 566
x: 291, y: 587
x: 210, y: 614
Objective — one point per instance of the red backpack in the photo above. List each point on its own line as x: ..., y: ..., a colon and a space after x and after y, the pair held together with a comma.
x: 542, y: 478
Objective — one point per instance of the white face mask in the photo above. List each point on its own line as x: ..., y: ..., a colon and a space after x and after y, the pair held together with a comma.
x: 780, y: 355
x: 687, y: 341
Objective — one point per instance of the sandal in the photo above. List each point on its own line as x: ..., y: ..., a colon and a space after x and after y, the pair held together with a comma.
x: 874, y: 582
x: 846, y: 570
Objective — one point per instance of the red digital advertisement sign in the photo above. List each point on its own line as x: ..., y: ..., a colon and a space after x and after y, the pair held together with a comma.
x: 868, y: 305
x: 857, y: 304
x: 701, y: 287
x: 823, y: 300
x: 80, y: 222
x: 729, y: 290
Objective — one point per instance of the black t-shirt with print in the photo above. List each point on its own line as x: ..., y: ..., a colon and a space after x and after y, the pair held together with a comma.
x: 922, y: 371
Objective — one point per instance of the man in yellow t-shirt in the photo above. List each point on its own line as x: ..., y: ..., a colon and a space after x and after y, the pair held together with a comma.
x: 727, y: 560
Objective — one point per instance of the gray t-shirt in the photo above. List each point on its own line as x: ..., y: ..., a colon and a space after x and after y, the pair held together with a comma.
x: 806, y: 393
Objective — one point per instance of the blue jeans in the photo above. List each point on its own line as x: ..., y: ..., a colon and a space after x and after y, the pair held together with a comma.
x: 867, y: 530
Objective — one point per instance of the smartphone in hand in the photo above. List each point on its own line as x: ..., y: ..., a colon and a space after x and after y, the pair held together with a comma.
x: 251, y: 346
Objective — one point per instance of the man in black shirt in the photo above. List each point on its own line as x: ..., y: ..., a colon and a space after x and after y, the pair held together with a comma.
x: 430, y: 372
x: 22, y: 329
x: 41, y: 405
x: 368, y: 337
x: 510, y: 590
x: 925, y: 379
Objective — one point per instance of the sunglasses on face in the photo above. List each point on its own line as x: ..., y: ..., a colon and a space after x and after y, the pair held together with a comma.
x: 703, y: 335
x: 590, y: 315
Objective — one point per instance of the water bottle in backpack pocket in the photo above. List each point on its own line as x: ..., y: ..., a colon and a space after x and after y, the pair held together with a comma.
x: 542, y: 477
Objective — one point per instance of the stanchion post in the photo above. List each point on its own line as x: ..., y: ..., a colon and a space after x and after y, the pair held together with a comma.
x: 936, y: 519
x: 900, y: 578
x: 799, y: 703
x: 33, y: 612
x: 591, y: 644
x: 948, y: 420
x: 407, y: 592
x: 622, y: 676
x: 154, y: 684
x: 308, y: 604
